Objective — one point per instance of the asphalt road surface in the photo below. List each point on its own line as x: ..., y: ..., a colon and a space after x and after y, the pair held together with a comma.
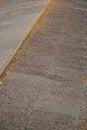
x: 16, y: 19
x: 46, y: 89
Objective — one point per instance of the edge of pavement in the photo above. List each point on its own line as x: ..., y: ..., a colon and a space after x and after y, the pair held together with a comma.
x: 17, y: 52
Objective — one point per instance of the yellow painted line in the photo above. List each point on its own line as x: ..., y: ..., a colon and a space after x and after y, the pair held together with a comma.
x: 82, y: 125
x: 5, y: 14
x: 86, y: 77
x: 16, y: 53
x: 1, y: 1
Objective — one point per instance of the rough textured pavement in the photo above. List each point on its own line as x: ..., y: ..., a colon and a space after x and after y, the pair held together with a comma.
x: 47, y: 87
x: 16, y: 20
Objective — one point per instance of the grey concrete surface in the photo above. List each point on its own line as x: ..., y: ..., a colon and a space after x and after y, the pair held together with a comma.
x: 47, y: 87
x: 16, y: 20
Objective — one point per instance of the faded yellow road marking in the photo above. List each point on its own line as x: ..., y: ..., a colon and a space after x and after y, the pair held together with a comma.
x: 86, y: 77
x: 82, y: 125
x: 1, y: 1
x: 5, y: 14
x: 16, y: 53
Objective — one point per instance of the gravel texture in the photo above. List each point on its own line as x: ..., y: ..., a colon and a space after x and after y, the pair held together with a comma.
x: 46, y: 89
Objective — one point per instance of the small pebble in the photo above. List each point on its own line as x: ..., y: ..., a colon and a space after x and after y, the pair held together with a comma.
x: 0, y: 83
